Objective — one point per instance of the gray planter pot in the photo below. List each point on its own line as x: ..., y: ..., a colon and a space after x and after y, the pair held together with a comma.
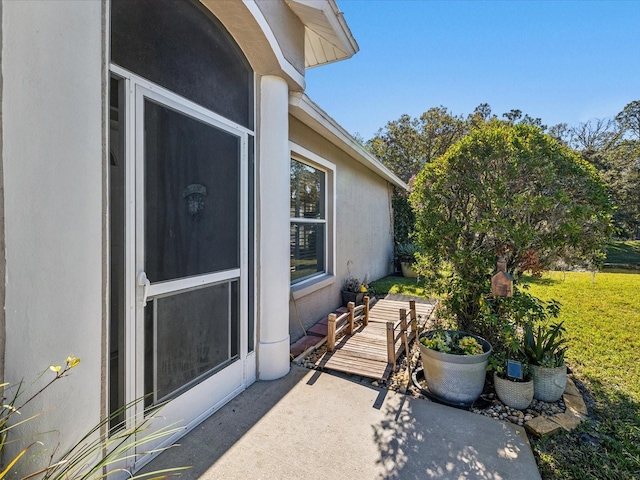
x: 549, y: 383
x: 355, y: 297
x: 513, y: 394
x: 456, y: 379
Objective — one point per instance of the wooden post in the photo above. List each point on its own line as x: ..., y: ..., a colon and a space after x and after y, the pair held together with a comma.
x: 365, y: 320
x: 403, y: 327
x: 331, y: 332
x: 391, y: 348
x: 414, y: 317
x: 351, y: 307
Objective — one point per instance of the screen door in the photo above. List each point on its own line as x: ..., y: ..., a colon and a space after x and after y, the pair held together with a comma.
x: 189, y: 250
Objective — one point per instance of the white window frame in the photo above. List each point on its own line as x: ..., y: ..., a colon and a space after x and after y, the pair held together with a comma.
x: 326, y: 277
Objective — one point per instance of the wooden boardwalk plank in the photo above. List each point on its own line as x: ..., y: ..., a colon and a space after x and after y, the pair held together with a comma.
x: 365, y: 352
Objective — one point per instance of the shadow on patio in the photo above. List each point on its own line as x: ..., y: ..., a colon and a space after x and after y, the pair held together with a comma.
x: 317, y: 425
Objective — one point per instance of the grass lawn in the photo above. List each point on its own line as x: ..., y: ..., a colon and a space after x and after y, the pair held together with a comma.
x: 602, y: 317
x: 627, y: 252
x: 400, y: 285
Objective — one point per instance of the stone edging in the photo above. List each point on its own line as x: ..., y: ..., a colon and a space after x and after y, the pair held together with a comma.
x: 576, y: 412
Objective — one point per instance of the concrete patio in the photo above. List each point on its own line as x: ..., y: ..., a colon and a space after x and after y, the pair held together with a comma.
x: 312, y: 425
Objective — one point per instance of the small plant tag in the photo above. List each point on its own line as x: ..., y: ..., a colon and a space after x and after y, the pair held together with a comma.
x: 514, y: 369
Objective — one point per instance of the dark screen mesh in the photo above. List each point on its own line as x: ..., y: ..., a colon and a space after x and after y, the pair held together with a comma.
x: 179, y: 45
x: 192, y: 196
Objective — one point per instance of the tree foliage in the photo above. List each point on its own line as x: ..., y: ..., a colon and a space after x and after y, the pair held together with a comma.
x: 613, y: 148
x: 629, y: 119
x: 507, y: 190
x: 404, y: 219
x: 406, y: 144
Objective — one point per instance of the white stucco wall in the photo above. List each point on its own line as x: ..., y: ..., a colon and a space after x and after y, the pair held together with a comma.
x: 52, y: 115
x: 364, y: 233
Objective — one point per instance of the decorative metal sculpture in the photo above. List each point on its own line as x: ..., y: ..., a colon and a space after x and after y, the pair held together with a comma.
x: 194, y: 196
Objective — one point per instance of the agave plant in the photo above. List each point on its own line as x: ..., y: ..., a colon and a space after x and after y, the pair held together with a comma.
x: 406, y: 252
x: 545, y: 347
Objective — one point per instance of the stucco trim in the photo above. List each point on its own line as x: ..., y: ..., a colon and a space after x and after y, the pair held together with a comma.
x: 310, y: 114
x: 285, y: 65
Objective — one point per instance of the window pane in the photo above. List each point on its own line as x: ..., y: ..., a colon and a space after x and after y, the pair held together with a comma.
x: 307, y: 250
x: 192, y: 196
x: 307, y: 191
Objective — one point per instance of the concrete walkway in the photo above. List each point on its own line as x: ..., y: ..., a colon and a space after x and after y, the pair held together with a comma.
x: 313, y: 425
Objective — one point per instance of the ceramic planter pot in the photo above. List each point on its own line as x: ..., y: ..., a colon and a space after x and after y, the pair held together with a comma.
x: 407, y: 270
x: 513, y: 394
x: 549, y: 383
x: 456, y: 379
x: 355, y: 297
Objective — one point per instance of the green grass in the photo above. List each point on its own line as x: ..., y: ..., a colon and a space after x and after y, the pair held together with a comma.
x: 627, y: 252
x: 601, y: 314
x: 400, y: 285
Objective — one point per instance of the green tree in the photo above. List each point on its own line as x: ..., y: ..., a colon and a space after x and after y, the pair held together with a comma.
x: 613, y: 148
x: 404, y: 219
x: 506, y: 190
x: 406, y: 144
x: 629, y: 120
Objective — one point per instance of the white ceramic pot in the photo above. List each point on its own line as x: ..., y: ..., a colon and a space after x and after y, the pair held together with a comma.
x: 513, y: 394
x: 549, y: 383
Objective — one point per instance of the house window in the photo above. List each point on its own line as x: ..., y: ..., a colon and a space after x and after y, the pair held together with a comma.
x: 311, y: 202
x: 308, y: 221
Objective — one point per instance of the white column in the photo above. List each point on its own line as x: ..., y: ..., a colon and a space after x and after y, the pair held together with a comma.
x: 273, y: 228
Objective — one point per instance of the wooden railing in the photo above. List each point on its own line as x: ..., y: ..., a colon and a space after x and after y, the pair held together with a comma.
x: 361, y: 312
x: 398, y: 331
x: 403, y: 330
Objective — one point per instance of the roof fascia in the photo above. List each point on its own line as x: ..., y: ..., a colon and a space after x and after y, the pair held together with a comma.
x: 310, y: 114
x: 334, y: 17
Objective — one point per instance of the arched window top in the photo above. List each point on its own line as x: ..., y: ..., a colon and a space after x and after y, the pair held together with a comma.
x: 181, y: 46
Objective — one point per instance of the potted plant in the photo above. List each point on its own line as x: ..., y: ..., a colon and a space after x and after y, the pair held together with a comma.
x: 353, y: 290
x: 512, y: 380
x: 512, y: 377
x: 455, y: 364
x: 545, y: 349
x: 406, y: 255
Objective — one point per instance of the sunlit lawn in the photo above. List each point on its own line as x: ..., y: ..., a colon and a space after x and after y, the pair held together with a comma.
x: 602, y: 316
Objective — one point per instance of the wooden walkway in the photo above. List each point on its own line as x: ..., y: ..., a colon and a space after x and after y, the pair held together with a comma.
x: 369, y: 350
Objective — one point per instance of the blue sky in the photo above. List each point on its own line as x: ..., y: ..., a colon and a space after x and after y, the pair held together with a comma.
x: 567, y: 61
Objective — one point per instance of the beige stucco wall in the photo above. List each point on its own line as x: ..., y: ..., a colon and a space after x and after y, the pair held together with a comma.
x: 269, y: 34
x: 52, y: 114
x: 288, y: 30
x: 364, y: 234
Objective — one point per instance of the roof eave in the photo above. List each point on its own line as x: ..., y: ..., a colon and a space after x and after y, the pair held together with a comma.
x: 310, y: 114
x: 324, y: 24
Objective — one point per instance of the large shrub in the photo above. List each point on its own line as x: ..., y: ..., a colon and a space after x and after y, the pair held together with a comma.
x: 512, y: 191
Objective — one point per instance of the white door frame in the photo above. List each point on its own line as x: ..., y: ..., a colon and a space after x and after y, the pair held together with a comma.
x: 196, y: 404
